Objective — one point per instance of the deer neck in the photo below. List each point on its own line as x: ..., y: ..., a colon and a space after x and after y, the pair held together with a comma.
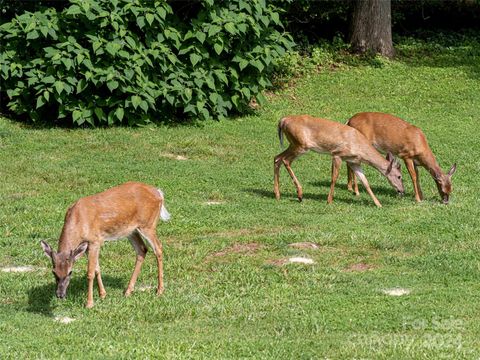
x: 431, y: 164
x: 69, y: 238
x: 373, y: 158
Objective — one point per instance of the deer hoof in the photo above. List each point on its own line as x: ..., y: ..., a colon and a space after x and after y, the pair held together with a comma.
x: 89, y: 305
x: 160, y: 291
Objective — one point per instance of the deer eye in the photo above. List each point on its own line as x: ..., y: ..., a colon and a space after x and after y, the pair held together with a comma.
x: 70, y: 273
x: 54, y: 274
x: 399, y: 177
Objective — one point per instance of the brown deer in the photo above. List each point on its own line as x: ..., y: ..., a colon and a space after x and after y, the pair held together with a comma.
x: 306, y: 133
x: 391, y: 134
x: 129, y: 210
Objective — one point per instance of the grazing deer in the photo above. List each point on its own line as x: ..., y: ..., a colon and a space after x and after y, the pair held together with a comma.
x: 129, y: 210
x: 306, y: 133
x: 391, y: 134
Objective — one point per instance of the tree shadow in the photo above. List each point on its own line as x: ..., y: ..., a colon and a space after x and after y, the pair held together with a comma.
x: 41, y: 298
x: 441, y: 49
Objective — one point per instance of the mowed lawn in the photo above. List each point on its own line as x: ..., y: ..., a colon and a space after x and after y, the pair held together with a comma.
x: 229, y: 293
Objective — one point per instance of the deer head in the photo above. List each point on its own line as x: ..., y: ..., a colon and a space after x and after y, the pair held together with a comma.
x: 444, y: 183
x: 63, y: 264
x: 394, y: 174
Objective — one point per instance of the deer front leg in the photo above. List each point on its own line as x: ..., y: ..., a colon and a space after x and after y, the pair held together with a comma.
x: 336, y: 164
x: 359, y: 172
x: 413, y: 171
x: 93, y: 251
x: 141, y: 250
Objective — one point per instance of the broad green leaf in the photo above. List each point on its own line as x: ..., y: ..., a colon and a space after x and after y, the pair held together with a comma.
x: 200, y: 36
x: 150, y: 18
x: 46, y: 95
x: 162, y: 12
x: 81, y: 85
x: 67, y: 62
x: 218, y: 48
x: 243, y: 64
x: 136, y: 100
x: 119, y: 113
x: 76, y: 114
x: 112, y: 85
x: 230, y: 27
x: 141, y: 22
x: 144, y: 105
x: 40, y: 102
x: 195, y: 58
x: 32, y: 35
x: 99, y: 113
x: 74, y: 10
x: 48, y: 79
x: 59, y: 86
x: 258, y: 64
x: 213, y: 30
x: 246, y: 91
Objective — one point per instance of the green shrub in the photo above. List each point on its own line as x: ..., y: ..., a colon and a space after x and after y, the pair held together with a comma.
x: 104, y: 62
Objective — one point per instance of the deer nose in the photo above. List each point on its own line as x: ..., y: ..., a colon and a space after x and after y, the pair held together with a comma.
x: 61, y: 295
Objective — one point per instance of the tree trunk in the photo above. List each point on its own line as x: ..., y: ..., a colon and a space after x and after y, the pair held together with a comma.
x: 372, y: 27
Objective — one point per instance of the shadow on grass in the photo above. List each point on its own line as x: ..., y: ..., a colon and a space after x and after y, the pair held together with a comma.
x: 292, y: 196
x: 377, y: 190
x: 41, y: 298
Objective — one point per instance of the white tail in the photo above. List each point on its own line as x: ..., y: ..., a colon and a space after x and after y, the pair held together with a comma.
x: 164, y: 214
x: 392, y: 134
x: 342, y: 142
x: 129, y: 210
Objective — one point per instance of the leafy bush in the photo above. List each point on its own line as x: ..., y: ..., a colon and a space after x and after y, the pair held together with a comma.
x: 120, y: 61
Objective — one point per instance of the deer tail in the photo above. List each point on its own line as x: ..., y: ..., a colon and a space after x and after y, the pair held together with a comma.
x: 280, y: 132
x: 164, y: 214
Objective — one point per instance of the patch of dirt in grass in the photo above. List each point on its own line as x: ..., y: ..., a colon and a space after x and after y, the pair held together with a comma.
x: 304, y: 245
x: 18, y: 269
x: 174, y: 156
x: 396, y: 291
x: 359, y: 267
x: 214, y: 202
x: 238, y: 249
x: 64, y: 319
x: 144, y: 288
x: 292, y: 260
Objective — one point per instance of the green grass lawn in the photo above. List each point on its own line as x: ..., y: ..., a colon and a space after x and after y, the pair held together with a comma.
x: 226, y: 294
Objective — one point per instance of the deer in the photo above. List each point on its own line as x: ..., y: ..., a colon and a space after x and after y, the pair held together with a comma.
x: 130, y: 210
x: 342, y: 142
x: 391, y: 134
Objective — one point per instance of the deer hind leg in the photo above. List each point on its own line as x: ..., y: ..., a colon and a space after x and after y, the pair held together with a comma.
x: 413, y: 171
x: 359, y: 172
x: 150, y: 235
x: 336, y: 164
x: 286, y: 157
x: 101, y: 290
x: 141, y: 250
x: 93, y: 252
x: 352, y: 180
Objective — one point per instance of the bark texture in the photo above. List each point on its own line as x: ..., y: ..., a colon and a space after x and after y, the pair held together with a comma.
x: 372, y: 27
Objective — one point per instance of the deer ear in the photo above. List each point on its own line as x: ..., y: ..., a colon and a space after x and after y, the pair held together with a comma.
x: 391, y: 159
x: 47, y: 249
x: 79, y: 251
x: 452, y: 170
